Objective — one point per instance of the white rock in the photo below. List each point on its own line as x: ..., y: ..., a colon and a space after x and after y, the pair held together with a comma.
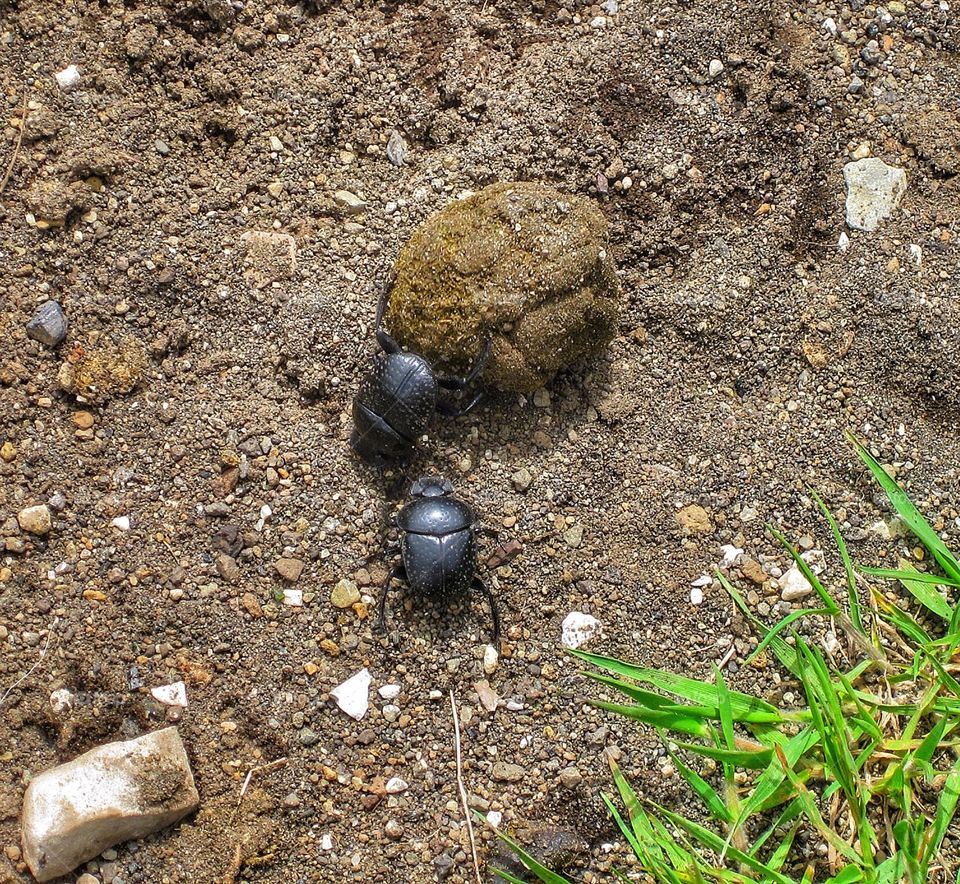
x: 491, y: 657
x: 68, y: 78
x: 874, y: 190
x: 578, y: 629
x: 829, y: 25
x: 916, y: 254
x: 715, y: 69
x: 702, y: 580
x: 293, y: 598
x: 696, y: 596
x: 396, y: 785
x: 171, y: 694
x: 389, y: 691
x: 731, y: 554
x: 326, y: 842
x: 352, y: 696
x: 116, y: 792
x: 495, y: 818
x: 349, y: 202
x: 61, y: 701
x: 121, y: 523
x: 793, y: 585
x: 390, y: 712
x: 843, y: 243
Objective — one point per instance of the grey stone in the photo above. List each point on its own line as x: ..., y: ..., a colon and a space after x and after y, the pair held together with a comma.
x: 48, y: 325
x: 116, y: 792
x: 874, y: 190
x: 397, y: 149
x: 505, y: 772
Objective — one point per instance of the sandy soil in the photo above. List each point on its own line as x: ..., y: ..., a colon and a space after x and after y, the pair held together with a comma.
x: 749, y: 342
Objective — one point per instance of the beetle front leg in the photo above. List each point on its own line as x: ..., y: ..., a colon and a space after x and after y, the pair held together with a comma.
x: 494, y: 611
x: 455, y: 383
x: 387, y: 343
x: 398, y: 572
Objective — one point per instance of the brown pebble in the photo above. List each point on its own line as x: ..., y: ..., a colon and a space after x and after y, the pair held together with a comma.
x: 251, y: 605
x: 289, y: 569
x: 753, y: 572
x: 82, y: 420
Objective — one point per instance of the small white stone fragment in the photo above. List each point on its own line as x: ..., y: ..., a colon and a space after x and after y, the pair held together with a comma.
x: 916, y: 254
x: 715, y: 69
x: 396, y: 785
x: 326, y: 842
x: 731, y: 554
x: 276, y: 145
x: 702, y: 580
x: 265, y: 513
x: 171, y: 694
x: 121, y: 523
x: 61, y: 701
x: 389, y: 691
x: 843, y: 242
x: 696, y: 596
x: 491, y: 656
x: 874, y: 190
x: 352, y: 696
x: 349, y: 202
x: 293, y: 598
x: 829, y: 25
x: 495, y: 818
x: 117, y: 792
x: 68, y: 78
x: 514, y: 706
x: 578, y: 629
x: 390, y: 712
x: 793, y: 585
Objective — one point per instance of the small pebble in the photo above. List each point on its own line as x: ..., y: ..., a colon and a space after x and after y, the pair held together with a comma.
x: 396, y: 785
x: 35, y: 520
x: 48, y: 325
x: 345, y: 594
x: 389, y: 691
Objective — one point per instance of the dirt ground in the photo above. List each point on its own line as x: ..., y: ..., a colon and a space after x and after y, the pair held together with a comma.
x: 749, y: 342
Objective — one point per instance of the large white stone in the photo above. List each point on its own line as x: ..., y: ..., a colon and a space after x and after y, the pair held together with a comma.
x: 874, y: 190
x: 110, y: 794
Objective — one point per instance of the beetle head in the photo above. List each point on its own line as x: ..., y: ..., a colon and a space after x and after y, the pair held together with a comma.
x: 431, y: 486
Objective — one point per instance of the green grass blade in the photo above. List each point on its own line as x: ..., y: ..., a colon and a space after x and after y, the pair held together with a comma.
x: 753, y: 759
x: 849, y: 875
x: 805, y: 569
x: 852, y: 595
x: 942, y: 818
x: 708, y: 795
x: 786, y: 654
x: 909, y: 513
x: 542, y: 872
x: 923, y: 590
x: 745, y: 707
x: 911, y: 573
x: 714, y: 842
x: 672, y: 721
x: 652, y: 701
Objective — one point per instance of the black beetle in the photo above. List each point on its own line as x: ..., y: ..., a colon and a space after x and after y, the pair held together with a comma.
x: 399, y: 396
x: 438, y: 548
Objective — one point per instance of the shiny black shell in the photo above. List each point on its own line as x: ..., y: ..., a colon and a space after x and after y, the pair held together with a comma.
x: 395, y: 403
x: 438, y: 546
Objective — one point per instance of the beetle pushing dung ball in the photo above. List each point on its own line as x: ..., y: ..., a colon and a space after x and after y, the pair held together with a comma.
x: 399, y: 396
x: 438, y: 549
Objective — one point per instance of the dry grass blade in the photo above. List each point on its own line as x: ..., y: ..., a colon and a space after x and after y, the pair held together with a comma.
x: 16, y: 147
x: 463, y: 790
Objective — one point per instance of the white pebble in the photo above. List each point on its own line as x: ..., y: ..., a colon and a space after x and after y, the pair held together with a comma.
x: 495, y: 818
x: 716, y: 68
x: 702, y: 580
x: 351, y: 696
x: 396, y: 785
x: 68, y: 78
x: 61, y: 701
x: 730, y: 554
x: 326, y: 842
x: 577, y: 629
x: 389, y: 691
x: 122, y: 523
x: 696, y: 596
x: 293, y: 598
x: 490, y: 658
x: 390, y: 712
x: 916, y: 253
x: 170, y: 694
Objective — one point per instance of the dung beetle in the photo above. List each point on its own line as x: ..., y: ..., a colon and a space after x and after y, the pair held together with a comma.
x: 438, y: 548
x: 398, y: 397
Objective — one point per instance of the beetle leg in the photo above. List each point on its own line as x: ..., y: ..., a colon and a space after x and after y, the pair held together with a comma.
x: 454, y: 383
x: 450, y: 409
x: 380, y: 622
x: 494, y: 611
x: 387, y: 343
